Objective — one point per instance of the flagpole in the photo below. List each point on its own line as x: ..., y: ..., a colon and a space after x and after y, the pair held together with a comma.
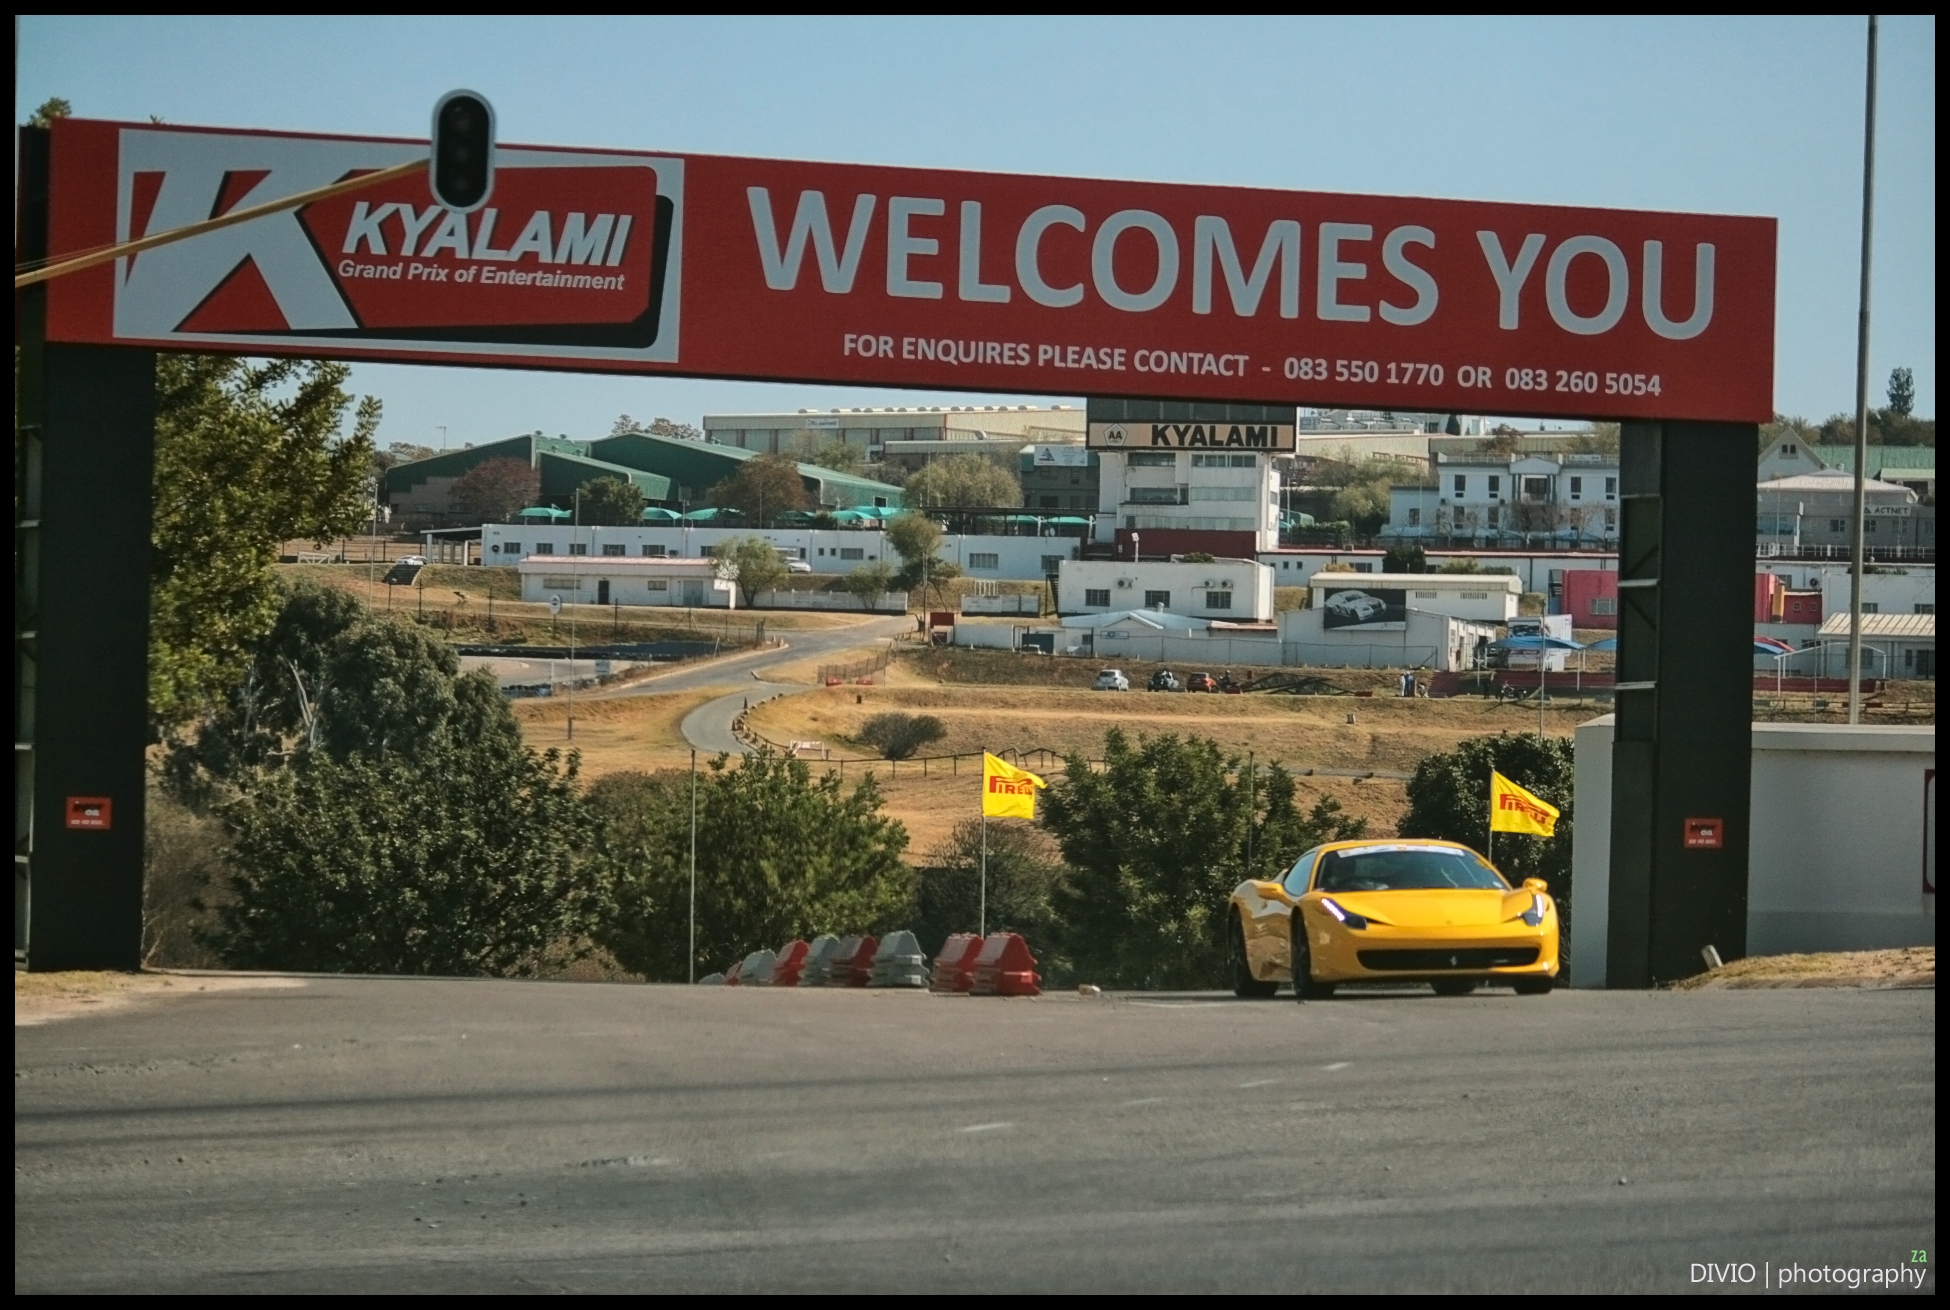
x: 985, y: 874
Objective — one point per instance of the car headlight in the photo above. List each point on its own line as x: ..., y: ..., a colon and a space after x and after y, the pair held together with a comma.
x: 1534, y: 916
x: 1347, y: 917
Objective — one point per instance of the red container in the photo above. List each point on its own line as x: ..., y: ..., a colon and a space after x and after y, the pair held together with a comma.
x: 792, y: 959
x: 1005, y: 968
x: 954, y: 965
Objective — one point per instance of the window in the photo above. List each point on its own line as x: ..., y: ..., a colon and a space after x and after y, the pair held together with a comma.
x: 984, y: 560
x: 1204, y: 461
x: 1926, y: 609
x: 512, y: 548
x: 1556, y: 582
x: 1604, y: 605
x: 1871, y: 607
x: 1225, y: 493
x: 1611, y: 520
x: 544, y: 548
x: 1868, y: 526
x: 1474, y: 595
x: 612, y: 550
x: 1611, y: 488
x: 1152, y: 459
x: 1577, y: 488
x: 1218, y: 600
x: 1051, y: 502
x: 1495, y: 514
x: 1157, y: 600
x: 1838, y: 525
x: 1462, y: 483
x: 1243, y: 461
x: 853, y: 552
x: 562, y: 584
x: 1496, y: 486
x: 1425, y: 595
x: 1788, y: 452
x: 1051, y: 563
x: 1156, y: 495
x: 578, y: 548
x: 1926, y: 664
x: 656, y: 584
x: 1536, y: 489
x: 1097, y: 596
x: 1414, y: 518
x: 1360, y: 568
x: 654, y: 552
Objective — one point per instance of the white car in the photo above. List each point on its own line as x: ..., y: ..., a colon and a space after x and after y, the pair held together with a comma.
x: 1356, y: 605
x: 797, y: 566
x: 1112, y: 680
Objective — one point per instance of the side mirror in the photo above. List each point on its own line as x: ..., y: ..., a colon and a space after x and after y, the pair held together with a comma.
x: 1536, y: 885
x: 1269, y: 890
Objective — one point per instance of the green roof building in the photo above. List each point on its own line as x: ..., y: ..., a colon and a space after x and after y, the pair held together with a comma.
x: 694, y: 467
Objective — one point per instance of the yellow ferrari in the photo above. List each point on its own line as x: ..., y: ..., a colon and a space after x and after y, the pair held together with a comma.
x: 1404, y: 910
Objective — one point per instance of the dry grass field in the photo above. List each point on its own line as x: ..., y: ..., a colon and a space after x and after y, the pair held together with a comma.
x: 616, y: 734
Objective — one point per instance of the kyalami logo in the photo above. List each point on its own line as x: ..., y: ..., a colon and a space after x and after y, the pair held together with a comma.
x: 569, y: 256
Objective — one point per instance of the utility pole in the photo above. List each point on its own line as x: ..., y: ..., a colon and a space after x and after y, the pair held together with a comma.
x: 693, y: 952
x: 1862, y: 389
x: 575, y: 590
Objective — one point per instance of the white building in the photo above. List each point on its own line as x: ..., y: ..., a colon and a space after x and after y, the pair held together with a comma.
x: 827, y: 550
x: 1414, y: 639
x: 1485, y: 496
x: 875, y: 433
x: 1480, y: 597
x: 619, y: 580
x: 1188, y: 491
x: 1238, y: 590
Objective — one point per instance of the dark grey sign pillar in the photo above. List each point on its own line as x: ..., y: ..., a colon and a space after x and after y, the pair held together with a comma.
x: 84, y: 468
x: 1682, y: 754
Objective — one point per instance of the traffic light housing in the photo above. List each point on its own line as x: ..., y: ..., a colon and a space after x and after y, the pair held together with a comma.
x: 461, y: 168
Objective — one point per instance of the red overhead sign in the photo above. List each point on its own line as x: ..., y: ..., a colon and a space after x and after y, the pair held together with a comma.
x: 709, y: 266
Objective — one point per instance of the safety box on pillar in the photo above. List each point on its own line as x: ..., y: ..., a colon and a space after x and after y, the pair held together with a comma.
x: 1682, y: 752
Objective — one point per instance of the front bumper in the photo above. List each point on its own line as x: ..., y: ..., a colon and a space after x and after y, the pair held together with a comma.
x: 1388, y: 953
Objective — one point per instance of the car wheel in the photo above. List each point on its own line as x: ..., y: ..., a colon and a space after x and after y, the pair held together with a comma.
x: 1454, y: 986
x: 1534, y: 986
x: 1244, y: 985
x: 1304, y: 986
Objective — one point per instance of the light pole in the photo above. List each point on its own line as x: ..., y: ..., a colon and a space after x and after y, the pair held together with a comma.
x: 1862, y: 390
x: 693, y: 953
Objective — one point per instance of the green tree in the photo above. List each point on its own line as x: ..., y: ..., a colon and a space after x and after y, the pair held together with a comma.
x: 1449, y: 798
x: 494, y: 490
x: 458, y: 859
x: 833, y: 453
x: 1155, y: 842
x: 50, y: 110
x: 1902, y: 392
x: 1364, y: 504
x: 780, y: 855
x: 897, y: 736
x: 963, y: 481
x: 249, y: 455
x: 916, y: 538
x: 870, y: 582
x: 1024, y: 872
x: 656, y: 427
x: 762, y: 488
x: 753, y: 563
x: 1405, y: 559
x: 610, y: 502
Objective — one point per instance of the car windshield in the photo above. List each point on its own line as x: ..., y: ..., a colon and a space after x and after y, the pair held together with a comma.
x: 1405, y: 868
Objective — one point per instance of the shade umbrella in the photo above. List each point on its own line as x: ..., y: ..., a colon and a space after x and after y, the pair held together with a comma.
x: 543, y: 512
x: 658, y: 514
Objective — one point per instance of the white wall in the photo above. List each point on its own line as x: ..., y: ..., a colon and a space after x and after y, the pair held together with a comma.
x: 1482, y: 598
x: 578, y: 582
x: 1293, y: 568
x: 828, y: 550
x: 1836, y: 841
x: 1250, y: 585
x: 1425, y: 641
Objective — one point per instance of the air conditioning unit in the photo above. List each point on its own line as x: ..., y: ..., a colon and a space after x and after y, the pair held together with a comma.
x: 1126, y: 582
x: 1226, y: 585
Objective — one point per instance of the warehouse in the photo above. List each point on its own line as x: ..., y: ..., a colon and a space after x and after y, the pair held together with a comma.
x: 600, y: 580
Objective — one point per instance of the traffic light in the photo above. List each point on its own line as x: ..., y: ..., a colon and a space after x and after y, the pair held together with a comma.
x: 461, y: 173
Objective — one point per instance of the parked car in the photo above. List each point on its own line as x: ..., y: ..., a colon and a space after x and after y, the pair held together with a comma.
x: 798, y: 566
x: 1165, y: 680
x: 1201, y: 682
x: 1112, y: 680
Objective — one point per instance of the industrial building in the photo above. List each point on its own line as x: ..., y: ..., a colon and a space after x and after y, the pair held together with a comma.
x: 671, y: 473
x: 890, y: 433
x: 617, y: 580
x: 1239, y: 590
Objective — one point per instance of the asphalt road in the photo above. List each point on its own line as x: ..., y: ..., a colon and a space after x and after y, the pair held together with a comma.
x: 369, y: 1135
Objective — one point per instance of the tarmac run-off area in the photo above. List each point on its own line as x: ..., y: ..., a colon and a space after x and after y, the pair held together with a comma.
x: 351, y: 1134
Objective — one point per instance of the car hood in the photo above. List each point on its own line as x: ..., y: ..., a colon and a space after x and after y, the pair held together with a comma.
x: 1436, y: 909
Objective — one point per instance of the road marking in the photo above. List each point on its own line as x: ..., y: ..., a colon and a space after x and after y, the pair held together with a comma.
x: 1258, y: 1082
x: 984, y: 1128
x: 1342, y: 1064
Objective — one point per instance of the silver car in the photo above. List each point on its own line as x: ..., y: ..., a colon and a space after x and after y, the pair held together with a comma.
x: 1112, y: 680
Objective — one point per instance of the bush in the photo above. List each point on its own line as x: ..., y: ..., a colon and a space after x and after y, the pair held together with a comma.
x: 1024, y: 871
x: 1155, y: 843
x: 779, y: 855
x: 897, y: 736
x: 1449, y: 798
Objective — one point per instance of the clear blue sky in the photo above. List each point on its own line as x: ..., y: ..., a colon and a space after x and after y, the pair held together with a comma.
x: 1720, y: 115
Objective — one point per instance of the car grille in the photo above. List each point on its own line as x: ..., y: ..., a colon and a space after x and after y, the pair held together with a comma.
x: 1474, y: 957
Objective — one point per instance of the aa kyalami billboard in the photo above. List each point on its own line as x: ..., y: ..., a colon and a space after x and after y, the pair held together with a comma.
x: 769, y: 269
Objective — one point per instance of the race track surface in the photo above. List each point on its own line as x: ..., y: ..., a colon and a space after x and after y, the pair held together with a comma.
x: 374, y: 1135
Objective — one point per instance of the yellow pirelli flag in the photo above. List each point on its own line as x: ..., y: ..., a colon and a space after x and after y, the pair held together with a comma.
x: 1512, y: 809
x: 1008, y: 792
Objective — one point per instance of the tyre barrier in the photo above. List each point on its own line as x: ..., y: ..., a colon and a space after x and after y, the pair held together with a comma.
x: 756, y: 971
x: 955, y: 965
x: 731, y: 974
x: 711, y: 980
x: 787, y: 964
x: 1004, y: 968
x: 819, y: 958
x: 852, y: 962
x: 899, y: 962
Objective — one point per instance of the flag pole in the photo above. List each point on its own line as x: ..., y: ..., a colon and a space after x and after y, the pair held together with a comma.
x: 984, y: 921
